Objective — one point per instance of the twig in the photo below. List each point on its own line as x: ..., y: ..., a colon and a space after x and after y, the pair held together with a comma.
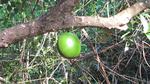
x: 101, y: 65
x: 144, y: 55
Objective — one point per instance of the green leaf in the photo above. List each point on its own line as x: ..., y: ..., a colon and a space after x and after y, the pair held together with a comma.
x: 148, y: 35
x: 144, y: 22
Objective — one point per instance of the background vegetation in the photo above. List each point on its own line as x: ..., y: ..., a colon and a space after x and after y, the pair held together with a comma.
x: 36, y: 60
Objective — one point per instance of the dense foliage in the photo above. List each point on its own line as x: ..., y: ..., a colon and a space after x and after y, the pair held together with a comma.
x: 37, y: 60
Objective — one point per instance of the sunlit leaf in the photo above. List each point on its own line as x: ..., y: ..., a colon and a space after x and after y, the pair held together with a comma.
x: 144, y: 22
x: 148, y: 35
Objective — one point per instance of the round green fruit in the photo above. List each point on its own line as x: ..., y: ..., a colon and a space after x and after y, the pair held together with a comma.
x: 69, y: 45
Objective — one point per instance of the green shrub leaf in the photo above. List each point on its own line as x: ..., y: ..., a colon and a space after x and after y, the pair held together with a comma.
x: 146, y: 28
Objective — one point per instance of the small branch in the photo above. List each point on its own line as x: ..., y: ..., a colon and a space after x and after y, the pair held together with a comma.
x: 2, y: 80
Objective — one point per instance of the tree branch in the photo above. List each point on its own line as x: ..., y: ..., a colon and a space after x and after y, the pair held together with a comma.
x: 60, y: 17
x: 118, y: 21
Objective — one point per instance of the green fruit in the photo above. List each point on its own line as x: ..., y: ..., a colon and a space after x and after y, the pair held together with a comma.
x: 69, y: 45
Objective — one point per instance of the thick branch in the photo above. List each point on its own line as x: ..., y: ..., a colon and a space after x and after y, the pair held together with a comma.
x: 59, y: 17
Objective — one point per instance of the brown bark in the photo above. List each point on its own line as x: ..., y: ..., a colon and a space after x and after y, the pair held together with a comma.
x: 60, y: 17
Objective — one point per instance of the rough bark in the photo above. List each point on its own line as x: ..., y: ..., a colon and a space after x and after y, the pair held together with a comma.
x: 60, y: 17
